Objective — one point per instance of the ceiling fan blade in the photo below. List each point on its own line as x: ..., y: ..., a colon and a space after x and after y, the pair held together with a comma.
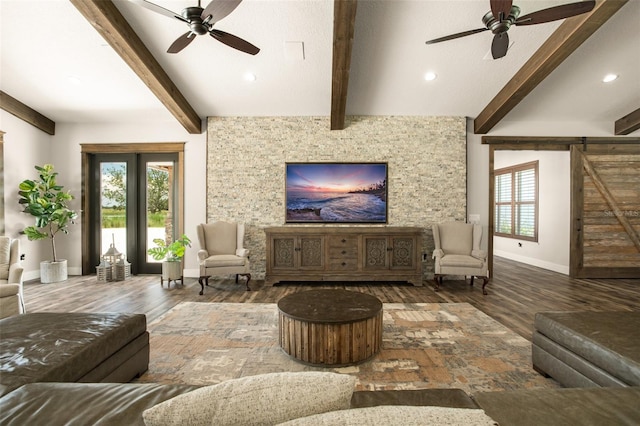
x: 181, y: 42
x: 501, y: 6
x: 457, y: 35
x: 158, y: 9
x: 218, y: 9
x: 234, y: 41
x: 555, y: 13
x: 499, y: 45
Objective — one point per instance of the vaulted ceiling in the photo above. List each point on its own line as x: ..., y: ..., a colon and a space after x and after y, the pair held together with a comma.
x: 98, y: 61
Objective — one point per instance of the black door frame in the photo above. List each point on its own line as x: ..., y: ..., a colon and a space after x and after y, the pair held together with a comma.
x: 89, y: 151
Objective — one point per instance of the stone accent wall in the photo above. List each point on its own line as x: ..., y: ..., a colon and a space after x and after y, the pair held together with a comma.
x: 246, y: 159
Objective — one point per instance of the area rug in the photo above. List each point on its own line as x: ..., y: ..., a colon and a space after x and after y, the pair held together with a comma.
x: 425, y: 345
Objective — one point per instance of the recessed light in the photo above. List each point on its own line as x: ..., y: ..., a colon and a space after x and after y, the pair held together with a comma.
x: 74, y: 79
x: 609, y: 78
x: 430, y: 76
x: 249, y: 76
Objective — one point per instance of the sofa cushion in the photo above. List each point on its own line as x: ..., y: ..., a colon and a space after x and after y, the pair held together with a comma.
x: 61, y: 347
x: 563, y: 407
x: 455, y: 398
x: 397, y: 415
x: 608, y: 340
x: 81, y: 404
x: 256, y: 400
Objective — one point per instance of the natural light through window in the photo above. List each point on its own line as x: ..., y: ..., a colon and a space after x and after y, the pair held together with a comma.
x: 516, y: 202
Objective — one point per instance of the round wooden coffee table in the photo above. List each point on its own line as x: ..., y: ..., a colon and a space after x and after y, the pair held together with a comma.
x: 330, y: 327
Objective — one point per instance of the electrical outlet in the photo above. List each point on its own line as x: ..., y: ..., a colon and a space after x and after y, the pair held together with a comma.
x: 22, y: 256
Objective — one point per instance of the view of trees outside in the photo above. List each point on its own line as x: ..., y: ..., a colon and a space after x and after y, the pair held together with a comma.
x: 114, y: 204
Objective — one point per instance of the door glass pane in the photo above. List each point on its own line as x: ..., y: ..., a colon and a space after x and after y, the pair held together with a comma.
x: 113, y: 206
x: 159, y: 203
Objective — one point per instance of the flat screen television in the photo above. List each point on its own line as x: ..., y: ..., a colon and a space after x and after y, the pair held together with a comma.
x: 336, y: 192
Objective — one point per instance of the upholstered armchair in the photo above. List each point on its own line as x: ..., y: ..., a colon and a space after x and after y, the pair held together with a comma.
x: 11, y: 294
x: 457, y: 252
x: 222, y: 251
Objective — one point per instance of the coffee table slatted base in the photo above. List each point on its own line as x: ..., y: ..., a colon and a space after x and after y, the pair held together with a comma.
x: 331, y: 343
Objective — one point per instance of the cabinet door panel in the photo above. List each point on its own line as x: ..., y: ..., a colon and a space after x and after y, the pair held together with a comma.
x: 403, y: 255
x: 283, y: 253
x: 376, y: 254
x: 311, y: 252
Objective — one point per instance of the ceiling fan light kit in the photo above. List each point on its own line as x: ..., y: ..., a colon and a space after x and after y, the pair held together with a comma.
x: 201, y: 22
x: 504, y: 14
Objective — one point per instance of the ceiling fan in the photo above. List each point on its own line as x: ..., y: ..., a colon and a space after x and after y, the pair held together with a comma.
x: 504, y: 14
x: 201, y: 21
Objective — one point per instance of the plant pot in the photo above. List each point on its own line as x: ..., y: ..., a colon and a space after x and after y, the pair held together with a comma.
x: 171, y: 271
x: 53, y: 272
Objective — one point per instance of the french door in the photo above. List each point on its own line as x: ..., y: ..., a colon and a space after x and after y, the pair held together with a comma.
x: 131, y: 199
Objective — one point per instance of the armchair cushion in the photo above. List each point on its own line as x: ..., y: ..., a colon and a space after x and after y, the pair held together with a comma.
x: 456, y: 238
x: 459, y: 260
x: 220, y: 238
x: 8, y: 290
x: 5, y: 257
x: 221, y: 260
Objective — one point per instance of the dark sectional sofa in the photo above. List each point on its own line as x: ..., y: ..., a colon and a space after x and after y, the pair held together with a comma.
x: 72, y: 347
x: 32, y: 397
x: 118, y: 404
x: 588, y: 349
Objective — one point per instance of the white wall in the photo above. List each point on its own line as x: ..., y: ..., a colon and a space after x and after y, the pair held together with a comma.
x: 478, y: 155
x: 25, y: 146
x: 551, y: 251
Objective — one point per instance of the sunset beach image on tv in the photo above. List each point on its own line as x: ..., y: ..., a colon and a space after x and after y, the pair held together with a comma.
x: 336, y: 192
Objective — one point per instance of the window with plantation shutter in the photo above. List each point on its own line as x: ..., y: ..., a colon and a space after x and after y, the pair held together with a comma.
x: 516, y: 202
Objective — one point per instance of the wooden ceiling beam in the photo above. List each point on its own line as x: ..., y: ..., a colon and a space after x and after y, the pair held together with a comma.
x: 26, y: 113
x: 562, y: 43
x: 344, y: 18
x: 109, y: 22
x: 628, y: 124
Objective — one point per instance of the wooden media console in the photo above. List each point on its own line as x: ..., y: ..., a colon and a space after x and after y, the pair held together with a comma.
x: 331, y: 253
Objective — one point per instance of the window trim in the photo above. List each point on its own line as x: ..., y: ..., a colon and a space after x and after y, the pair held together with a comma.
x: 512, y: 170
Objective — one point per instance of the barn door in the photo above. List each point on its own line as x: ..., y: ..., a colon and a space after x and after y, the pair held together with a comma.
x: 605, y: 211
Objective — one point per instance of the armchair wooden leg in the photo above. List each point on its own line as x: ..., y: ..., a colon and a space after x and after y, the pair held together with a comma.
x: 438, y: 280
x: 471, y: 284
x: 203, y: 280
x: 484, y: 283
x: 248, y: 279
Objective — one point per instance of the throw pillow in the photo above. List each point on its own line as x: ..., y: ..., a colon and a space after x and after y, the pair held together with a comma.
x: 266, y: 399
x: 398, y: 415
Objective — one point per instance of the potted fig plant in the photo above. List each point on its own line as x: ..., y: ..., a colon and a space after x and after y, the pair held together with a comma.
x: 47, y: 202
x: 171, y: 256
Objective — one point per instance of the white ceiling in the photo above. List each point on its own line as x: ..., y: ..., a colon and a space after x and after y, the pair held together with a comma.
x: 54, y: 61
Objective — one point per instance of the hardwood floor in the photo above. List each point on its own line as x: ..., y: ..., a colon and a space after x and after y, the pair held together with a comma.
x: 516, y: 293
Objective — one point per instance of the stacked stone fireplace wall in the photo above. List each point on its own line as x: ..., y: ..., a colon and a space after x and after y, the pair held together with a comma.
x: 246, y: 159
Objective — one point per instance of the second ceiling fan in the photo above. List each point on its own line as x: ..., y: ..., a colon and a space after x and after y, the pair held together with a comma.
x: 201, y: 21
x: 504, y: 14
